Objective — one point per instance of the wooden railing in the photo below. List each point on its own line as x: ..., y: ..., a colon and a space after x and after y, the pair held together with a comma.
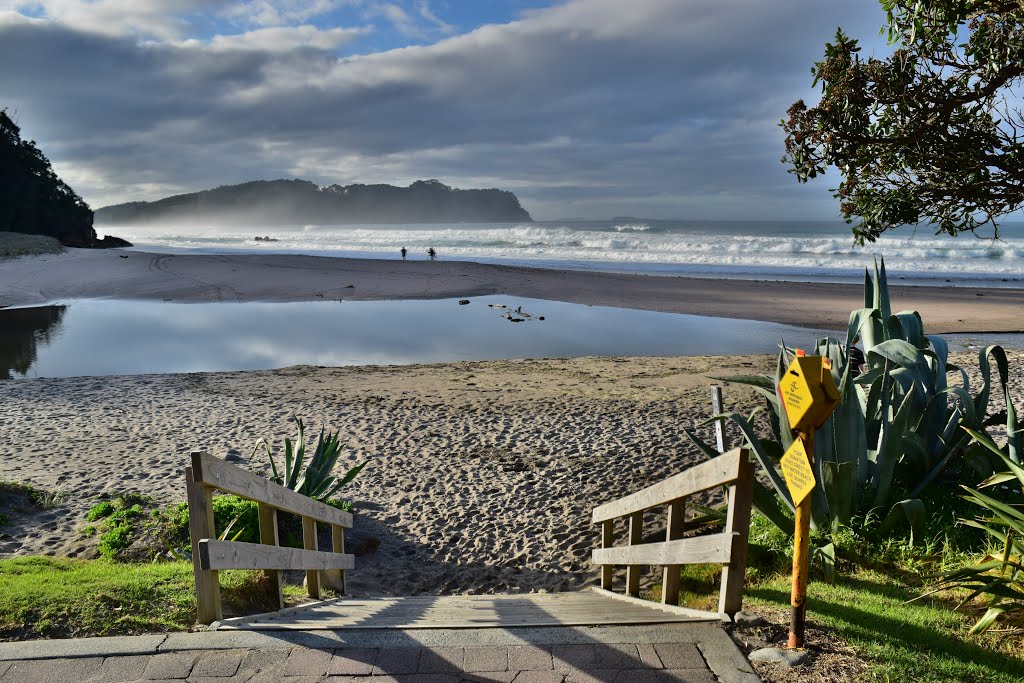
x: 728, y: 548
x: 210, y: 555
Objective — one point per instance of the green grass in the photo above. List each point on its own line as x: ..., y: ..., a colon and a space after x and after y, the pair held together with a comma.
x: 921, y: 641
x: 43, y: 597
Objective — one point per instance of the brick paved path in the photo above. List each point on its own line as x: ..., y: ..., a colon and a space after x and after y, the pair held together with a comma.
x: 676, y: 652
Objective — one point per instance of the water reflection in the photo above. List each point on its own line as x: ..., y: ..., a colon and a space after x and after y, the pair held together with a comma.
x: 22, y: 332
x: 135, y: 337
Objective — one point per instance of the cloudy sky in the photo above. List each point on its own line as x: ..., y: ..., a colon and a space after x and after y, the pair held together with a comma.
x: 588, y: 108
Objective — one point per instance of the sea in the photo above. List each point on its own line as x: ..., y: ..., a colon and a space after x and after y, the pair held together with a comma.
x: 820, y: 251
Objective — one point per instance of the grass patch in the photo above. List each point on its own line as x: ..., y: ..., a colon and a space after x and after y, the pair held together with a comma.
x: 44, y: 597
x: 920, y: 641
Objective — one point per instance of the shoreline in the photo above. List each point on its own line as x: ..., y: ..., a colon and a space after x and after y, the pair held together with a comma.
x: 189, y: 278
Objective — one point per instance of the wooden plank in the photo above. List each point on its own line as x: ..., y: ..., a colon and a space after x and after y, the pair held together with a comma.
x: 716, y: 409
x: 269, y: 536
x: 714, y: 548
x: 607, y: 541
x: 737, y: 523
x: 231, y: 479
x: 236, y: 555
x: 473, y: 612
x: 335, y: 578
x: 309, y: 544
x: 721, y: 470
x: 694, y: 614
x: 201, y: 526
x: 673, y: 531
x: 636, y: 536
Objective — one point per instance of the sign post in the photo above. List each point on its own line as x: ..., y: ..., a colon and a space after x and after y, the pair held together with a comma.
x: 808, y: 395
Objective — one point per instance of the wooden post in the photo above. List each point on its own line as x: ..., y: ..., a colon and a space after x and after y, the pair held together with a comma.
x: 801, y: 543
x: 737, y: 523
x: 335, y: 578
x: 201, y: 526
x: 309, y: 543
x: 673, y: 530
x: 716, y: 409
x: 269, y: 536
x: 607, y: 541
x: 636, y: 535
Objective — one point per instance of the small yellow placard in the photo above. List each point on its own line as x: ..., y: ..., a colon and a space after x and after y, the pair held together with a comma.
x: 808, y: 393
x: 797, y: 472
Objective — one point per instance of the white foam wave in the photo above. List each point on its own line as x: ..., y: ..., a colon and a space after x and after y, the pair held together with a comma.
x: 748, y: 253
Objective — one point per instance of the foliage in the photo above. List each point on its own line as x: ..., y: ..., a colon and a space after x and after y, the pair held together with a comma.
x: 314, y: 478
x: 929, y: 134
x: 119, y: 523
x: 896, y: 431
x: 37, y: 497
x: 32, y: 198
x: 999, y: 576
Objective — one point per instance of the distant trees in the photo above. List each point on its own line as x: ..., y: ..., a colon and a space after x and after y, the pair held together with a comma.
x: 931, y: 134
x: 33, y: 199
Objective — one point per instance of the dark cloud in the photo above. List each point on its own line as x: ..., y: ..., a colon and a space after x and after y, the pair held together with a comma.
x: 656, y: 107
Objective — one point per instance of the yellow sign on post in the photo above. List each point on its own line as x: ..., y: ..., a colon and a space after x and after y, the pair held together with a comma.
x: 808, y: 392
x: 796, y: 468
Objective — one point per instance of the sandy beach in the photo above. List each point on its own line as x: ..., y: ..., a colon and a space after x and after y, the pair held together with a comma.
x: 481, y: 478
x: 78, y: 273
x: 482, y: 475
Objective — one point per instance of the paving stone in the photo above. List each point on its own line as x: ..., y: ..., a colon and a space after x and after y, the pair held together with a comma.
x: 690, y: 676
x: 54, y: 670
x: 529, y: 658
x: 680, y: 656
x: 261, y: 660
x: 220, y: 664
x: 574, y: 656
x: 442, y: 659
x: 617, y: 656
x: 649, y: 656
x: 307, y: 662
x: 426, y: 678
x: 486, y: 658
x: 641, y: 676
x: 539, y: 677
x: 171, y: 666
x: 591, y: 675
x: 393, y: 661
x: 487, y: 677
x: 242, y: 677
x: 271, y: 677
x: 121, y: 668
x: 353, y: 662
x: 4, y: 666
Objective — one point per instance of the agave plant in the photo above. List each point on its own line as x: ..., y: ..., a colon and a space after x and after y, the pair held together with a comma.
x: 1001, y: 577
x: 315, y: 478
x: 897, y: 426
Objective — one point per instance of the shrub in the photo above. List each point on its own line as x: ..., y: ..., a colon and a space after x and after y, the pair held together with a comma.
x: 313, y: 479
x: 897, y: 429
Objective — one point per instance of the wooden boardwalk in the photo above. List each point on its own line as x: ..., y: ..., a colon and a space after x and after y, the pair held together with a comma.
x: 585, y: 608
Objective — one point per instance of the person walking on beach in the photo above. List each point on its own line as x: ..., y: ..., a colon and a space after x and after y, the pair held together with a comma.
x: 432, y: 253
x: 404, y: 252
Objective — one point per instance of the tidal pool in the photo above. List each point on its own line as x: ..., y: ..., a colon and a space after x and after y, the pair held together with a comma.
x: 116, y: 337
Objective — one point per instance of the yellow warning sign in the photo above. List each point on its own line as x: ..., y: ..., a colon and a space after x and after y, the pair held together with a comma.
x: 808, y: 392
x: 797, y: 472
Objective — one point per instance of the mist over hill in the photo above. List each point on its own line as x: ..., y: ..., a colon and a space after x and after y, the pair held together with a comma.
x: 282, y: 202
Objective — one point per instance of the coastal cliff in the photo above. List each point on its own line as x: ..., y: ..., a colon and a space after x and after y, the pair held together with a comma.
x: 275, y: 202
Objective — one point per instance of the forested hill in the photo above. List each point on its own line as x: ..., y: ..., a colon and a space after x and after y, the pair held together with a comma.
x: 35, y: 201
x: 276, y: 202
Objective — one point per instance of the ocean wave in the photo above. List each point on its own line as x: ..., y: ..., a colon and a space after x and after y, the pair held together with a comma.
x: 633, y: 249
